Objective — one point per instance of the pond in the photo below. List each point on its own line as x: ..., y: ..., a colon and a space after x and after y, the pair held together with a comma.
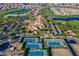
x: 18, y: 11
x: 26, y: 3
x: 67, y: 19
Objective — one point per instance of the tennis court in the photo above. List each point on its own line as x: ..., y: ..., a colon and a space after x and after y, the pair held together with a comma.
x: 30, y: 40
x: 34, y: 45
x: 37, y: 53
x: 4, y: 46
x: 55, y: 43
x: 72, y: 41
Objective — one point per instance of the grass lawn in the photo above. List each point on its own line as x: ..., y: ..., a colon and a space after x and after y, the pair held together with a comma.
x: 40, y: 33
x: 77, y: 38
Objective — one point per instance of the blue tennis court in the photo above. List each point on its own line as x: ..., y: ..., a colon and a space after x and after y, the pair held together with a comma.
x: 4, y: 46
x: 34, y: 45
x: 30, y: 40
x: 72, y: 41
x: 37, y: 53
x: 54, y: 44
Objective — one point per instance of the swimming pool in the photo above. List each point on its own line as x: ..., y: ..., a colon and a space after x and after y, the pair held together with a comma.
x: 67, y: 19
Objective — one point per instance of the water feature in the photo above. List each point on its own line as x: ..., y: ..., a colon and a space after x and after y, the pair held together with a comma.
x: 67, y: 19
x: 18, y: 11
x: 26, y: 3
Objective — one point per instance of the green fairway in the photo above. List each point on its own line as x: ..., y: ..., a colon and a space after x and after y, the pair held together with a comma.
x: 7, y: 11
x: 46, y: 12
x: 74, y: 23
x: 2, y: 13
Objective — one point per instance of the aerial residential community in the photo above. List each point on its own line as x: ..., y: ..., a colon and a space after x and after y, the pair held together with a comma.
x: 39, y: 29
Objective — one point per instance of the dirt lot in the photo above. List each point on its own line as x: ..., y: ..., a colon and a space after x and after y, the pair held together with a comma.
x: 61, y: 52
x: 76, y: 48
